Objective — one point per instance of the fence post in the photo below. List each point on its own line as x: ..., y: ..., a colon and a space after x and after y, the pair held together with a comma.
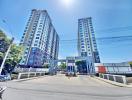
x: 114, y: 78
x: 124, y: 79
x: 103, y: 76
x: 19, y: 76
x: 34, y: 74
x: 107, y: 76
x: 28, y: 74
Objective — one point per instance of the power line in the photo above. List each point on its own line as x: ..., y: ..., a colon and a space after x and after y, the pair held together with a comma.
x: 116, y: 29
x: 111, y: 30
x: 103, y: 38
x: 8, y: 26
x: 103, y: 41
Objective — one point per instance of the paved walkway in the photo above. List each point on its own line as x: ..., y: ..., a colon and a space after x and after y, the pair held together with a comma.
x: 62, y: 88
x: 69, y: 81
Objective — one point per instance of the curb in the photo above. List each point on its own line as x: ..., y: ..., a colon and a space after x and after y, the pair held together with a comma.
x: 114, y: 83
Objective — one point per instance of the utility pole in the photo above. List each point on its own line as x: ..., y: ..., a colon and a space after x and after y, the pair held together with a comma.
x: 6, y: 55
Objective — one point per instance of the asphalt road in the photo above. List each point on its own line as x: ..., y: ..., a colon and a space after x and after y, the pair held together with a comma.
x: 60, y: 87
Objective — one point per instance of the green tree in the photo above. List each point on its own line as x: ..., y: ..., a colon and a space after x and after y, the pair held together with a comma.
x: 16, y: 53
x: 81, y: 66
x: 2, y: 34
x: 1, y: 57
x: 130, y: 64
x: 14, y: 56
x: 4, y: 42
x: 63, y: 66
x: 46, y: 66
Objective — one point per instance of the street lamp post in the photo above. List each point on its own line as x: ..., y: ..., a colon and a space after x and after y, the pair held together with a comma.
x: 6, y: 55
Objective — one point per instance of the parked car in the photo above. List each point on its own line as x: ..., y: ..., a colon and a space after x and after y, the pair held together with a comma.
x: 4, y: 78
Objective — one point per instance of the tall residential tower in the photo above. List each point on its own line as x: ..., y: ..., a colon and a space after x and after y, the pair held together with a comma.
x: 40, y: 40
x: 86, y: 40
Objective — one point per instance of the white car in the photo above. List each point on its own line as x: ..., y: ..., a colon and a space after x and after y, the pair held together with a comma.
x: 4, y: 78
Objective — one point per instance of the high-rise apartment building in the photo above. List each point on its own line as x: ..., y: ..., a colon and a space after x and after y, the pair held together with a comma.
x: 40, y: 40
x: 86, y: 40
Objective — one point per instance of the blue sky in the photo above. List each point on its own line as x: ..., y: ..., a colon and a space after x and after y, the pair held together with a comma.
x: 110, y: 18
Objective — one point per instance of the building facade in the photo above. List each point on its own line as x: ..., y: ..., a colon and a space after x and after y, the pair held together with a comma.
x: 40, y: 40
x: 86, y: 40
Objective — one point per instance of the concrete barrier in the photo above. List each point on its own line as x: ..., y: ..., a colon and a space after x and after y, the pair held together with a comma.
x: 30, y: 74
x: 116, y: 78
x: 129, y: 80
x: 22, y: 73
x: 23, y: 70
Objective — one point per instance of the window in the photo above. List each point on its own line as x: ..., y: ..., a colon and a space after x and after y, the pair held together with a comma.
x: 82, y: 47
x: 33, y: 28
x: 29, y: 42
x: 38, y: 34
x: 82, y: 41
x: 81, y: 33
x: 92, y: 30
x: 39, y: 28
x: 36, y: 41
x: 38, y: 31
x: 36, y: 21
x: 94, y: 43
x: 82, y: 44
x: 83, y: 50
x: 35, y: 44
x: 37, y: 37
x: 40, y: 25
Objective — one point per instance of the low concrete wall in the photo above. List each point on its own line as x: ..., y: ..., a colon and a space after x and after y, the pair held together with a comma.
x: 129, y: 79
x: 30, y: 74
x: 116, y: 78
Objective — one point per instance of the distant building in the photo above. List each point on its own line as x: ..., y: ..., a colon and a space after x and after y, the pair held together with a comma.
x: 113, y: 68
x: 40, y: 40
x: 86, y: 40
x: 85, y: 66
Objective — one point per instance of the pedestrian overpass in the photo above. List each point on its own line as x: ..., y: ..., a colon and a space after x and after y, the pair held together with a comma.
x: 70, y: 61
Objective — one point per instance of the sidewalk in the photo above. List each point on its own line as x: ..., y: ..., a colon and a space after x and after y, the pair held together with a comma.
x: 114, y: 83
